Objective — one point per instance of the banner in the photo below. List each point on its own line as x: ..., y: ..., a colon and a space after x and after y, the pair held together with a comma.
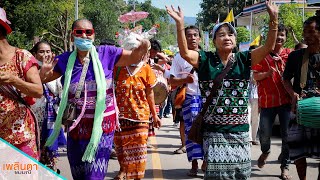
x: 244, y: 46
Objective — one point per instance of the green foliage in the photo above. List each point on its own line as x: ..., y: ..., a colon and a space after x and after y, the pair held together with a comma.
x: 212, y: 8
x: 243, y: 34
x: 291, y: 16
x: 167, y: 32
x: 20, y: 40
x: 104, y: 16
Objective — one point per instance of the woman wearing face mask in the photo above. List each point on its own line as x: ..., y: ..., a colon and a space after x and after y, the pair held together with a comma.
x: 46, y: 109
x: 90, y: 136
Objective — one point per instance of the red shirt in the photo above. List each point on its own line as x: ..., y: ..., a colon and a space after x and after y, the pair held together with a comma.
x: 271, y: 91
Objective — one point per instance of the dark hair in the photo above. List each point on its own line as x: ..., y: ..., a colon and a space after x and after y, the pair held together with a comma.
x: 192, y: 27
x: 298, y: 46
x: 35, y: 48
x: 109, y: 42
x: 253, y: 47
x: 78, y: 20
x: 282, y: 28
x: 313, y: 19
x: 155, y: 45
x: 3, y: 31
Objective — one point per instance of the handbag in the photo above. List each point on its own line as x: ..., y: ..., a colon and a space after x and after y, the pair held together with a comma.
x: 181, y: 94
x: 70, y: 113
x: 196, y: 131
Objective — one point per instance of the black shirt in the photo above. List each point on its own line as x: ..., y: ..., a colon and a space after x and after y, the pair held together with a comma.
x: 293, y: 70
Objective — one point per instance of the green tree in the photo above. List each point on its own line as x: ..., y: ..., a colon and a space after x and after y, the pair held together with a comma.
x: 166, y: 33
x: 104, y: 16
x: 243, y: 34
x: 212, y: 8
x: 291, y: 16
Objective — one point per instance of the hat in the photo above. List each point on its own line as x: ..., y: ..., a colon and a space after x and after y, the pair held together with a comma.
x: 217, y: 26
x: 4, y: 22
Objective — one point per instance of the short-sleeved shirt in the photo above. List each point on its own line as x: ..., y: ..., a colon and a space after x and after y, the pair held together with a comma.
x: 180, y: 68
x: 17, y: 124
x: 228, y: 111
x: 109, y: 56
x: 293, y: 70
x: 271, y: 91
x: 131, y: 92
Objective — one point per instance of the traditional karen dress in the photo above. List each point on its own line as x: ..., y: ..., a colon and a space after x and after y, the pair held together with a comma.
x: 17, y: 124
x: 79, y: 137
x: 226, y: 137
x: 303, y: 141
x: 46, y: 109
x: 131, y: 141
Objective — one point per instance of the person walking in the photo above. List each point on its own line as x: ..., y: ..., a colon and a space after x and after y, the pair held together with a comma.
x: 90, y: 136
x: 19, y: 84
x: 182, y: 74
x: 225, y: 124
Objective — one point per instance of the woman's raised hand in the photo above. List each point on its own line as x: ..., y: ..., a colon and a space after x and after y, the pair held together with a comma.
x: 272, y: 9
x: 177, y: 15
x: 48, y: 64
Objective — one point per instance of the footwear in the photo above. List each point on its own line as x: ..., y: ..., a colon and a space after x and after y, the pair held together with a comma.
x: 285, y: 174
x: 192, y: 172
x: 120, y: 176
x: 149, y: 146
x: 262, y: 160
x: 255, y: 143
x: 181, y: 150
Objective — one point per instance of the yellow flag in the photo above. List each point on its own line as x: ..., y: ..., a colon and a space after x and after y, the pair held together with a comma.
x: 256, y: 41
x: 230, y: 17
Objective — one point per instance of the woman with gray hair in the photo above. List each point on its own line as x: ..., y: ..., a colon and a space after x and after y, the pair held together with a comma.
x: 225, y: 130
x: 135, y: 100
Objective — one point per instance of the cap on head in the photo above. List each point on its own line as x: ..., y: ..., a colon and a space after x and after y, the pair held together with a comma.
x: 217, y: 27
x: 4, y: 22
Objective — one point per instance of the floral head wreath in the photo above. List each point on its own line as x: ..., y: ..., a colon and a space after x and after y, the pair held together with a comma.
x: 127, y: 38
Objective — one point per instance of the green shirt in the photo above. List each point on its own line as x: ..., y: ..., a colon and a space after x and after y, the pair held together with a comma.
x: 228, y: 111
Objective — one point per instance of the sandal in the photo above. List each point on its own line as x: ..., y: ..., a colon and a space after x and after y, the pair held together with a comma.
x: 120, y: 176
x: 262, y: 160
x: 181, y: 150
x: 192, y: 172
x: 285, y: 174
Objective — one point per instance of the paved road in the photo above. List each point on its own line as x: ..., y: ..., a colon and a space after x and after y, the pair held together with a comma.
x: 163, y: 164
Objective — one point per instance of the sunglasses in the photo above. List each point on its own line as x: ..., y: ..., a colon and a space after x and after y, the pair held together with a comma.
x: 79, y: 32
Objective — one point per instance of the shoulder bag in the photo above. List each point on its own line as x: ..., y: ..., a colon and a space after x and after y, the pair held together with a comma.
x: 181, y: 94
x: 70, y: 113
x: 196, y: 131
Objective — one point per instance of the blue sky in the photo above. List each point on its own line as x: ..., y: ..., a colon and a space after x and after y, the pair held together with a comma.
x: 189, y: 7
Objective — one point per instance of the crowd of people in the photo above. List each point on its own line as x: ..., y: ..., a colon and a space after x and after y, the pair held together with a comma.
x: 104, y: 98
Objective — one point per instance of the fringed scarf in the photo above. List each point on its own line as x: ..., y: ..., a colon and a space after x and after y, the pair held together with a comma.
x: 89, y: 154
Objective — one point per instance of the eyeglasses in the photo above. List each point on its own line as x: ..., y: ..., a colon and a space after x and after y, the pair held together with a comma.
x: 79, y: 32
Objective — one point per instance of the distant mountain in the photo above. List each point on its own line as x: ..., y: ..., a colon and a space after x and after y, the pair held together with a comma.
x: 187, y: 20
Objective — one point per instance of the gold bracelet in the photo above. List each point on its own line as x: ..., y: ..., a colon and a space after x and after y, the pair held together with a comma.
x: 273, y: 23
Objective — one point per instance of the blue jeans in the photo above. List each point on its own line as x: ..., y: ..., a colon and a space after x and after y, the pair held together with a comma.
x: 267, y: 118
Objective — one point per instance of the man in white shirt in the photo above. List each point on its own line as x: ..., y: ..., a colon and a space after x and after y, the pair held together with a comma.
x: 182, y: 73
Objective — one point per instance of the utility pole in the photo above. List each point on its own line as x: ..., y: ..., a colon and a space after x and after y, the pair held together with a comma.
x: 76, y: 16
x: 134, y: 9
